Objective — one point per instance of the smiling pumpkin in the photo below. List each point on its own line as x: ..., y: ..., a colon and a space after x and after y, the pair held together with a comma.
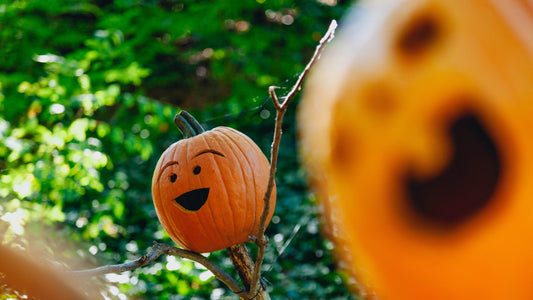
x: 208, y: 188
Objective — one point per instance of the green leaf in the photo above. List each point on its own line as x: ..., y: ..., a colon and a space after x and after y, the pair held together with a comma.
x: 78, y: 129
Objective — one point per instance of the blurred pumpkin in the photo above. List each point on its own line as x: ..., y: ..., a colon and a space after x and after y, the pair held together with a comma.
x: 416, y: 130
x: 208, y: 188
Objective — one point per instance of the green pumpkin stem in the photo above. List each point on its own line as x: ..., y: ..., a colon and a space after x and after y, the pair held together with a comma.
x: 187, y: 124
x: 195, y: 124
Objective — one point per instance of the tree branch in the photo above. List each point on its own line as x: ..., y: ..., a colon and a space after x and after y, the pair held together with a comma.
x: 243, y: 263
x: 157, y: 250
x: 281, y: 108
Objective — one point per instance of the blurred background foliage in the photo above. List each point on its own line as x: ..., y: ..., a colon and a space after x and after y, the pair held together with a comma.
x: 88, y: 91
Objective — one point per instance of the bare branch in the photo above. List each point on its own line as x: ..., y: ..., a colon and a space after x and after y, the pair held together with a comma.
x: 157, y: 250
x: 119, y: 268
x: 318, y: 50
x: 281, y: 108
x: 273, y: 96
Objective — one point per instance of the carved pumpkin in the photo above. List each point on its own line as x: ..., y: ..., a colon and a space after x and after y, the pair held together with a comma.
x: 416, y: 130
x: 208, y: 188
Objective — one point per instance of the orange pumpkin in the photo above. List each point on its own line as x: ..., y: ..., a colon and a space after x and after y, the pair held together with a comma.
x: 208, y: 188
x: 416, y: 128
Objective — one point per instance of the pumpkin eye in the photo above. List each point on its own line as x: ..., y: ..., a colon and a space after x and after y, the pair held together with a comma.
x: 173, y: 178
x: 419, y: 35
x: 196, y: 170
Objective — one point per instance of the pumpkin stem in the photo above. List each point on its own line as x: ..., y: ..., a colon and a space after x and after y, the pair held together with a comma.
x: 187, y: 124
x: 195, y: 124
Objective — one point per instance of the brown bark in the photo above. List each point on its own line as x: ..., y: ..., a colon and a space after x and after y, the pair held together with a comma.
x: 244, y: 265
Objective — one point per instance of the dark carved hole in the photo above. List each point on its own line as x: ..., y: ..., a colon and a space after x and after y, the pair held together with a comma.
x: 466, y: 185
x: 193, y: 200
x: 173, y: 178
x: 419, y: 35
x: 196, y: 170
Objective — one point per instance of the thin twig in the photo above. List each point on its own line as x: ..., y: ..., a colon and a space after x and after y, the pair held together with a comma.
x: 274, y: 97
x: 157, y: 250
x: 281, y: 108
x: 318, y: 50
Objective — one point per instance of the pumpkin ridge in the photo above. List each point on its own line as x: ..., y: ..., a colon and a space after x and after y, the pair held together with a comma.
x: 161, y: 213
x: 206, y: 232
x: 167, y: 216
x: 273, y: 194
x: 164, y: 216
x: 255, y: 219
x: 227, y: 135
x: 235, y: 208
x: 258, y: 200
x: 253, y: 145
x: 262, y: 195
x: 226, y: 237
x: 243, y: 176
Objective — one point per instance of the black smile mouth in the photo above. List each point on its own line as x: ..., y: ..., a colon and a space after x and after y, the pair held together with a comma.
x: 193, y: 200
x: 467, y: 184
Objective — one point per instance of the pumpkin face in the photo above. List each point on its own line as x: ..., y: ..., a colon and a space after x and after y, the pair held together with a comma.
x: 208, y: 189
x: 416, y: 128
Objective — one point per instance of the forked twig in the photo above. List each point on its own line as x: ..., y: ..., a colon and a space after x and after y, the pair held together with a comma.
x: 281, y: 108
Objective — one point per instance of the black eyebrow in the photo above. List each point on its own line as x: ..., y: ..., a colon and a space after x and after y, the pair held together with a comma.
x: 209, y: 151
x: 168, y: 164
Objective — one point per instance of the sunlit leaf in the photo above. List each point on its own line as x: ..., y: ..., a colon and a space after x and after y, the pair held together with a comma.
x: 78, y: 129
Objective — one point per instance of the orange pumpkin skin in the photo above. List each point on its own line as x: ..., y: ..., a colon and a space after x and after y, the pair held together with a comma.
x: 228, y: 171
x: 379, y: 117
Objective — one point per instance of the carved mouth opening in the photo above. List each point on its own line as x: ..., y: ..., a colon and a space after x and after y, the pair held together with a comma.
x: 193, y: 200
x: 466, y: 185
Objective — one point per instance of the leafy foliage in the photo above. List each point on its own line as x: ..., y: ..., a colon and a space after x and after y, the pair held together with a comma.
x: 88, y: 90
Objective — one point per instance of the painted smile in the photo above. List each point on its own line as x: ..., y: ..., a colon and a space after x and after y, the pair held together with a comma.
x: 193, y: 200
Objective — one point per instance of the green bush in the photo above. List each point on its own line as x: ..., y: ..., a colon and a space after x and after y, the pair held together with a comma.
x: 88, y: 91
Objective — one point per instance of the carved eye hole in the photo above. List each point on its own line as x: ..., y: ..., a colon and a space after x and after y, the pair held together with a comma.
x: 467, y: 184
x: 196, y: 170
x: 173, y: 178
x: 419, y: 34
